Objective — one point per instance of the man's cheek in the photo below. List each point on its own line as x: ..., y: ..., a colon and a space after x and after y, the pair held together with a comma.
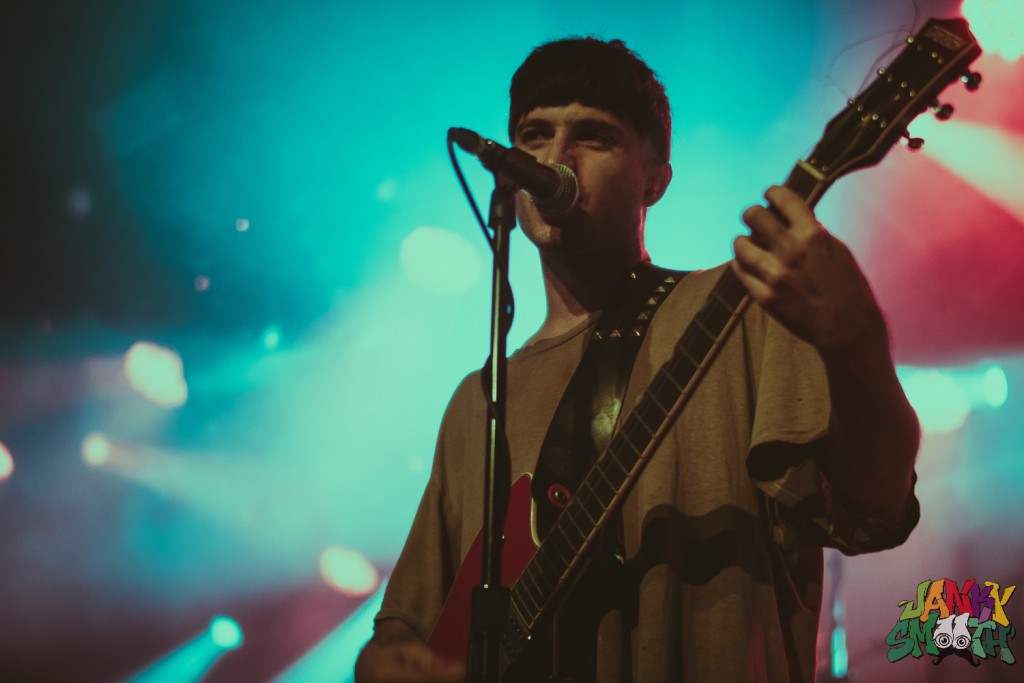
x: 526, y: 210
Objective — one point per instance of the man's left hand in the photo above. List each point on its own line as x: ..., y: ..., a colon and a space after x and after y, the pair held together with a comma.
x: 803, y: 276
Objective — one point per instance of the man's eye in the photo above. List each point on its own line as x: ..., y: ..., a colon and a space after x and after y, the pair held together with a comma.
x: 529, y: 135
x: 595, y: 137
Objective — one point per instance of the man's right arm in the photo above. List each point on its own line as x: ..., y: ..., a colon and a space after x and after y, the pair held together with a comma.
x: 396, y: 654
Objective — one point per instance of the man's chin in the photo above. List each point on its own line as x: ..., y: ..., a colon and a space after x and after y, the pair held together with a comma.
x: 567, y: 245
x: 564, y: 225
x: 557, y: 238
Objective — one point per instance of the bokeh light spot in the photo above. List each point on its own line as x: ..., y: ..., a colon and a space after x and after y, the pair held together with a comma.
x: 840, y: 655
x: 387, y: 190
x: 225, y: 632
x: 242, y: 225
x: 201, y: 283
x: 156, y: 373
x: 939, y: 400
x: 348, y: 571
x: 96, y: 450
x: 996, y: 387
x: 998, y: 25
x: 6, y: 462
x: 79, y: 202
x: 440, y: 260
x: 271, y: 337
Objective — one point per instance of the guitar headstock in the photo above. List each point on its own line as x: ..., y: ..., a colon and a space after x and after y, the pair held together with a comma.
x: 878, y: 117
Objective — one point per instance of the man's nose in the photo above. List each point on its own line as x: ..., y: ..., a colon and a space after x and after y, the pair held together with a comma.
x: 560, y: 151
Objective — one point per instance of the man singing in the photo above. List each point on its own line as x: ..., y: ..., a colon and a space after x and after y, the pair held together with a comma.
x: 798, y: 437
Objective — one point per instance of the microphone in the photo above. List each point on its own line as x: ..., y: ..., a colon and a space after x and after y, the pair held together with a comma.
x: 554, y: 188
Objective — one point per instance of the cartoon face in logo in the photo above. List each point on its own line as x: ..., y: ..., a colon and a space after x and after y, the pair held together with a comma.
x: 952, y: 632
x: 973, y: 626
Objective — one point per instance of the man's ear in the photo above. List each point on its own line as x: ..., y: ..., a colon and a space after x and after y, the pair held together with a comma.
x: 657, y: 182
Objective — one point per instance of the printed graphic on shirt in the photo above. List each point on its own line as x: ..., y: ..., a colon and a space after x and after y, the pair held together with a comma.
x: 967, y: 621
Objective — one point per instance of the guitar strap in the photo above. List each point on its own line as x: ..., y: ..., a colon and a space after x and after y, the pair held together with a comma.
x: 580, y: 429
x: 585, y: 418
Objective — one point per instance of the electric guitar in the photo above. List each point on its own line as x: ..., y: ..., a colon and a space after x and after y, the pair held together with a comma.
x: 858, y: 137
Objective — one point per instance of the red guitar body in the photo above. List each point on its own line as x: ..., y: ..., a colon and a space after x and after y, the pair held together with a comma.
x: 450, y: 637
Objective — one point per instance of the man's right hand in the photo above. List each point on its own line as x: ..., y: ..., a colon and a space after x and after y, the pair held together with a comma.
x: 396, y: 654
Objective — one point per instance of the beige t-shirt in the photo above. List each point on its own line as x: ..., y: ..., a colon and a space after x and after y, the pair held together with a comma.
x: 723, y: 529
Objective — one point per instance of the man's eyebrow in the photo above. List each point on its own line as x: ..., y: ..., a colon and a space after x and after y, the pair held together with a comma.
x: 586, y: 123
x: 532, y: 121
x: 598, y: 124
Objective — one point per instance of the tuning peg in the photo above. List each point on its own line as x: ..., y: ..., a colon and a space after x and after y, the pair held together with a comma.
x: 943, y: 112
x: 913, y: 144
x: 971, y: 79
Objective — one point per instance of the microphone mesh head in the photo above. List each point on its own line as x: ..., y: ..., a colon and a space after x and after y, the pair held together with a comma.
x: 568, y: 194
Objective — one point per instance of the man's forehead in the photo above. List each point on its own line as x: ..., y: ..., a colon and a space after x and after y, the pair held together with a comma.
x: 573, y: 113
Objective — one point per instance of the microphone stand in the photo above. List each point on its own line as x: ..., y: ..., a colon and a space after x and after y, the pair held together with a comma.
x: 489, y: 601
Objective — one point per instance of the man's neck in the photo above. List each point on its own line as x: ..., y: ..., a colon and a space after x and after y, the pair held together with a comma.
x: 578, y: 287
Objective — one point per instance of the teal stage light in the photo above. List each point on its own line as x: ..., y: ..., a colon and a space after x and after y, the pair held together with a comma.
x: 192, y: 661
x: 997, y: 24
x: 333, y: 659
x: 943, y: 398
x: 225, y: 632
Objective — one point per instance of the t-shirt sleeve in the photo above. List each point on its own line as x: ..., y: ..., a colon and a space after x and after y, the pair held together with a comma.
x: 423, y: 573
x: 789, y: 449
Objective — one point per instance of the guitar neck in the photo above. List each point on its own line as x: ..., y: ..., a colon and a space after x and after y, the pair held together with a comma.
x: 599, y: 495
x: 808, y: 182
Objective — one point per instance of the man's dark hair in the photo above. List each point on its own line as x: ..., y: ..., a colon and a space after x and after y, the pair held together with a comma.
x: 607, y: 75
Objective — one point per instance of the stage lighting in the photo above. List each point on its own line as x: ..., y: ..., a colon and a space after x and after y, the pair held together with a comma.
x: 333, y: 659
x: 840, y: 655
x: 156, y: 373
x: 387, y: 190
x: 6, y: 462
x: 440, y: 261
x: 998, y: 25
x: 191, y: 661
x: 96, y: 450
x: 944, y: 398
x: 225, y: 632
x: 271, y: 337
x: 995, y: 386
x: 348, y: 571
x: 80, y: 202
x: 940, y: 402
x: 989, y: 158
